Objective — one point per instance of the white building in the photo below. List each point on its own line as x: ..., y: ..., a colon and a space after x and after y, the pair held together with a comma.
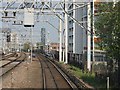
x: 77, y: 38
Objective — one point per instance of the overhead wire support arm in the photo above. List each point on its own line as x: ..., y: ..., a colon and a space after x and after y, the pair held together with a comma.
x: 78, y: 6
x: 9, y: 5
x: 54, y: 12
x: 6, y: 7
x: 19, y: 6
x: 42, y: 8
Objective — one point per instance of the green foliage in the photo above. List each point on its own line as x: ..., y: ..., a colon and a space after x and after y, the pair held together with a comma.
x: 88, y: 77
x: 39, y: 44
x: 108, y: 28
x: 100, y: 68
x: 61, y: 62
x: 26, y: 46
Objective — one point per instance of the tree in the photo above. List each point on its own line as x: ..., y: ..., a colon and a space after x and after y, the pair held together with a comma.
x: 38, y: 44
x: 108, y: 30
x: 26, y: 46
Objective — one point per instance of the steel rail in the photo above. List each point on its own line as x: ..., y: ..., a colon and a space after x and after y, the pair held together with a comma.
x: 43, y: 75
x: 72, y: 85
x: 68, y: 81
x: 51, y: 74
x: 8, y: 56
x: 14, y: 65
x: 10, y: 61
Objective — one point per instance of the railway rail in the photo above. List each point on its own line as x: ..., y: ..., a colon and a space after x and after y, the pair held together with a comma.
x: 12, y: 64
x: 53, y: 77
x: 6, y: 61
x: 4, y: 57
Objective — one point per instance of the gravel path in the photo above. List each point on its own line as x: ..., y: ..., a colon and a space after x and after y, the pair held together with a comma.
x: 26, y: 75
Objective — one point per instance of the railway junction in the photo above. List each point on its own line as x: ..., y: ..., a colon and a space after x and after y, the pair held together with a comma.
x: 24, y: 68
x: 54, y: 44
x: 40, y: 73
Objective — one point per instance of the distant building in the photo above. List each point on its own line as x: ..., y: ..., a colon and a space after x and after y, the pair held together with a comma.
x: 54, y: 47
x: 43, y: 37
x: 14, y: 44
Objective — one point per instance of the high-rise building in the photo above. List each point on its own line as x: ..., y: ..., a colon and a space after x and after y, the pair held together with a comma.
x: 43, y: 37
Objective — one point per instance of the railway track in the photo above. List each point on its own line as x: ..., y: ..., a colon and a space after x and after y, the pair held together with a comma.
x: 53, y: 77
x: 7, y: 61
x: 4, y: 57
x: 12, y: 64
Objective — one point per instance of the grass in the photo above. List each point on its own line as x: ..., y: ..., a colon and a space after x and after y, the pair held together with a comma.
x: 88, y: 77
x: 61, y: 62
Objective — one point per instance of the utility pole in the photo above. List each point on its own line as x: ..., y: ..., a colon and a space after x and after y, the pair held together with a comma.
x: 66, y: 32
x: 31, y: 42
x: 48, y: 42
x: 89, y: 37
x: 63, y: 48
x: 2, y: 43
x: 93, y: 27
x: 60, y: 44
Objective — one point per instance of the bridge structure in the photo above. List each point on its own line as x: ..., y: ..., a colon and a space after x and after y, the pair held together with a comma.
x: 59, y: 8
